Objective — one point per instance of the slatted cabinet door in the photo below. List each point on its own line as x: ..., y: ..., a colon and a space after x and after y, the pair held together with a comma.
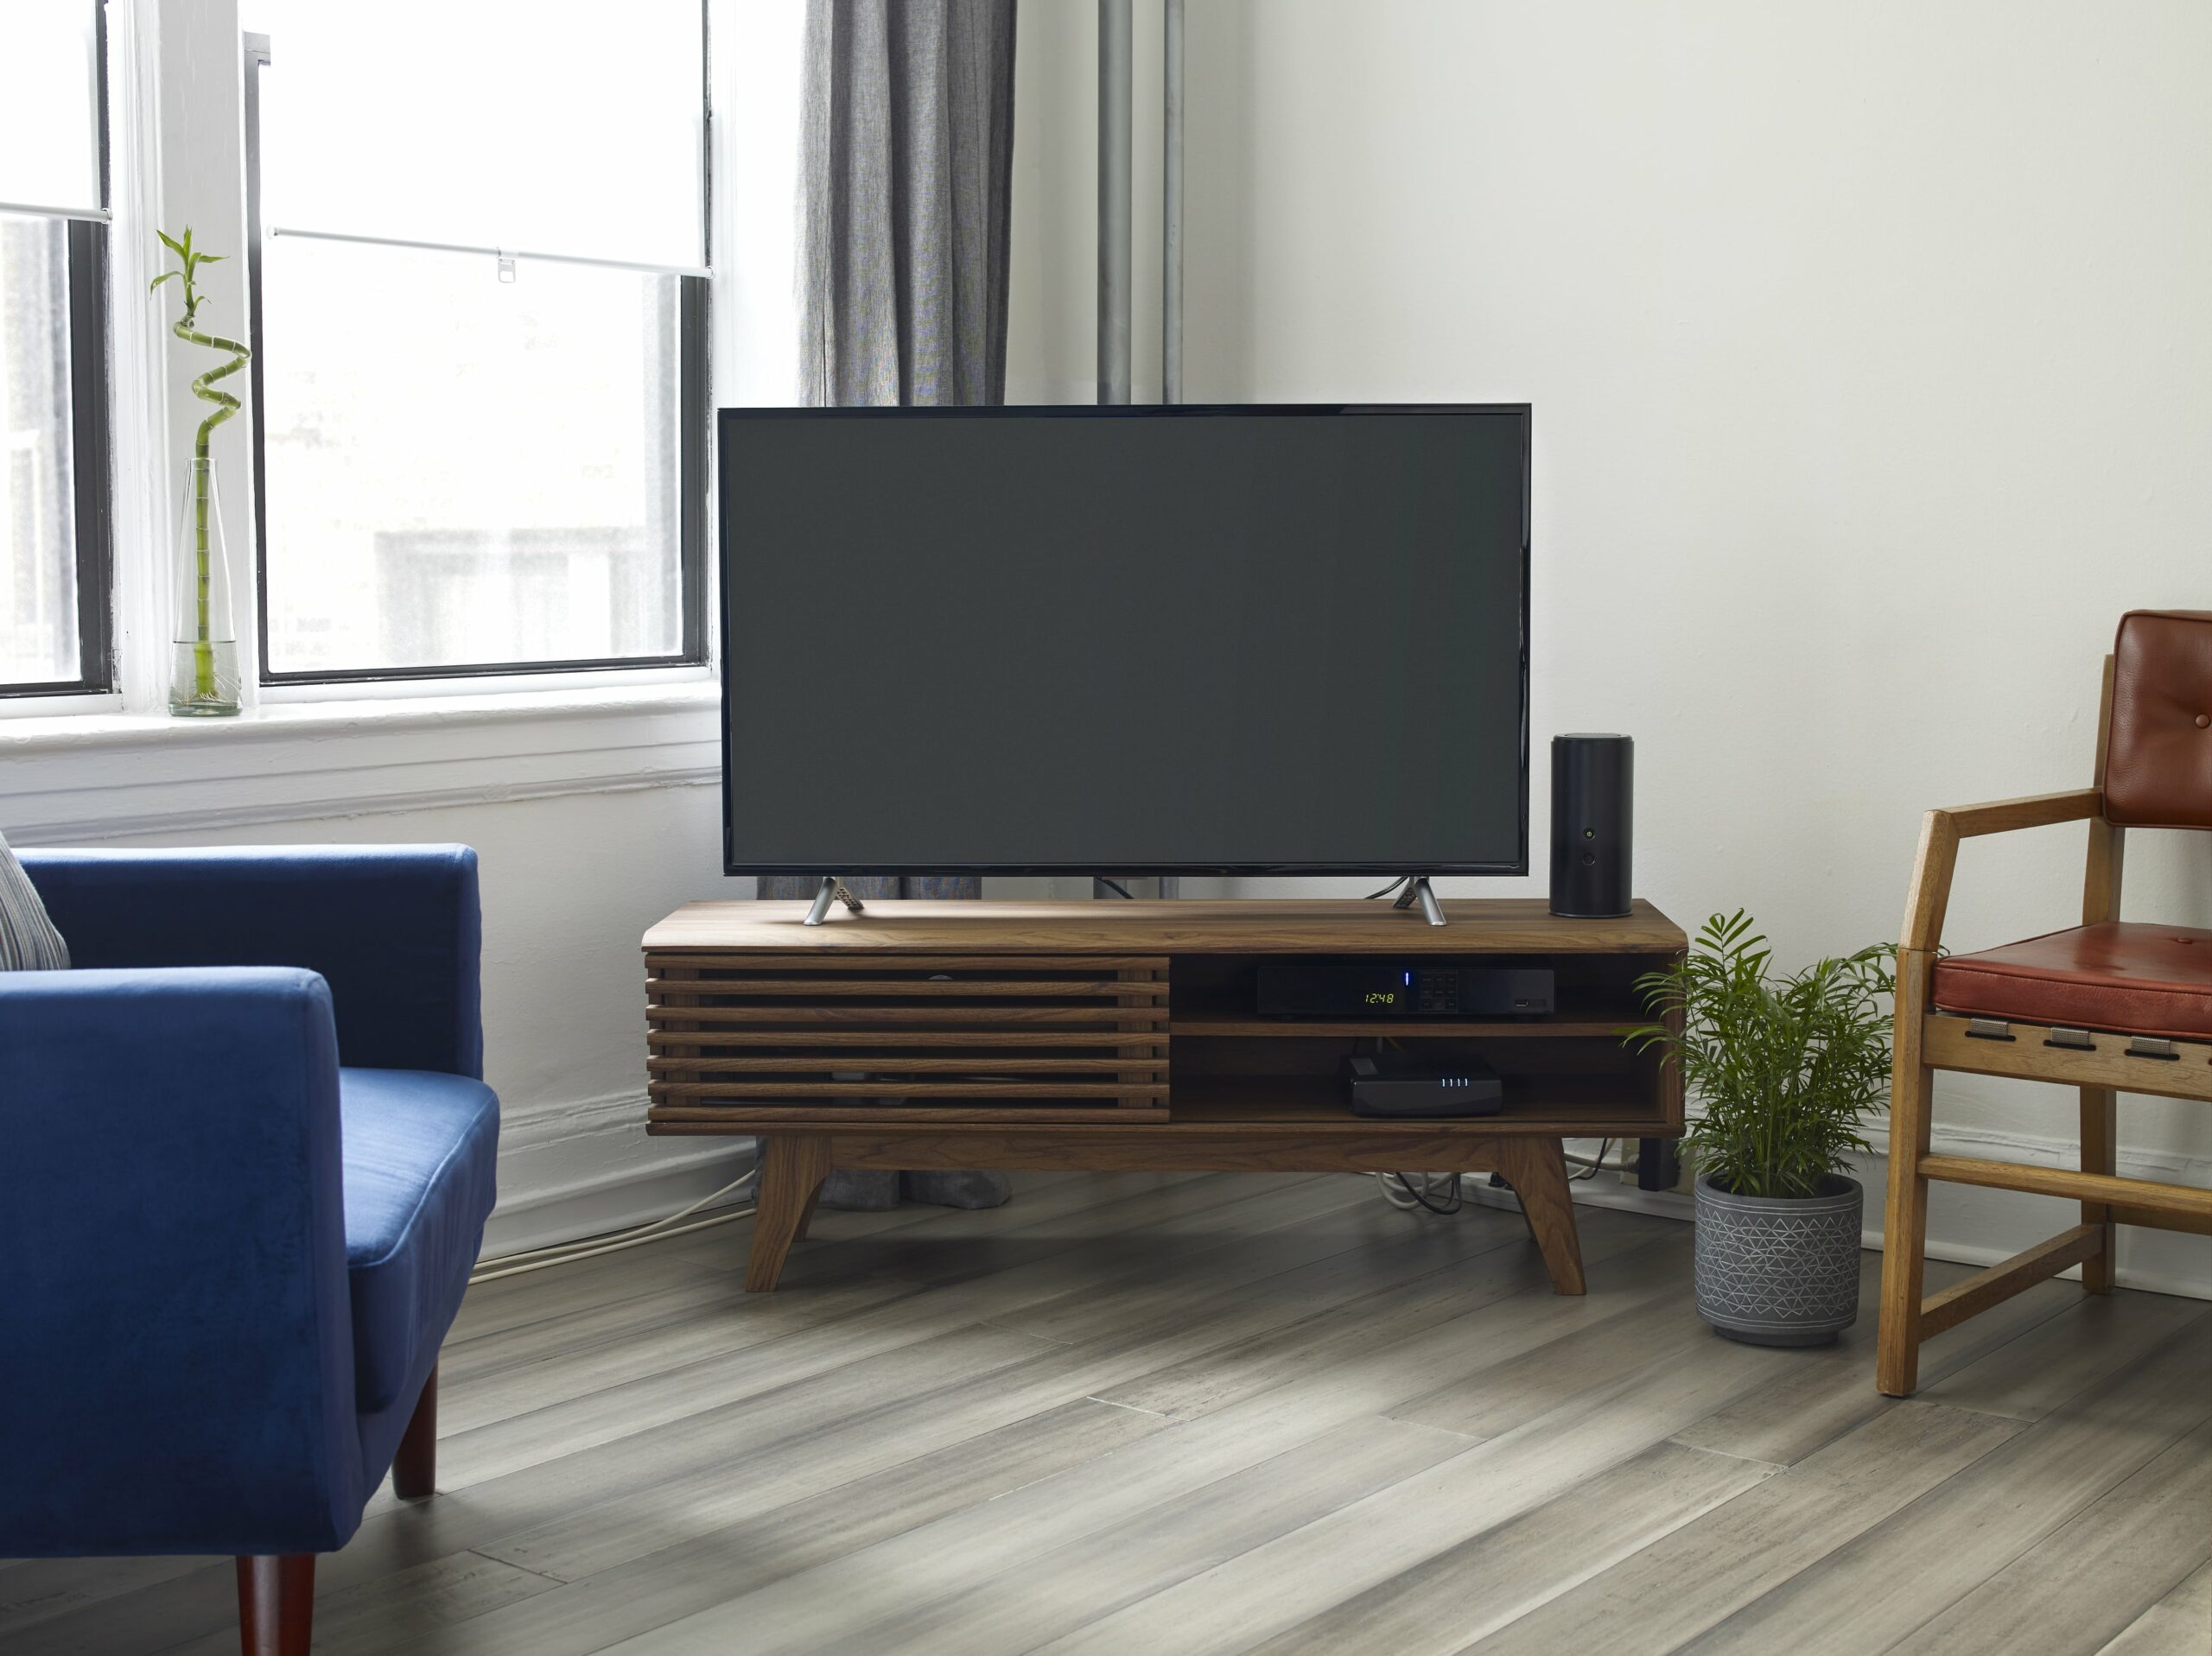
x: 833, y: 1037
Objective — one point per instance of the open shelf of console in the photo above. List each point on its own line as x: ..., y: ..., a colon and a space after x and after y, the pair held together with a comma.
x: 1216, y: 1025
x: 1563, y: 1107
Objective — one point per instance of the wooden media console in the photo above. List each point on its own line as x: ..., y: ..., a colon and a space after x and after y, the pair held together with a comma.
x: 1115, y: 1036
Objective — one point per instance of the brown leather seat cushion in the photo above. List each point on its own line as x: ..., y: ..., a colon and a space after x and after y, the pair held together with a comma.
x: 2119, y: 975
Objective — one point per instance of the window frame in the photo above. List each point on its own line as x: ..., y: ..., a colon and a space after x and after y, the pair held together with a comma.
x: 91, y: 432
x: 692, y: 416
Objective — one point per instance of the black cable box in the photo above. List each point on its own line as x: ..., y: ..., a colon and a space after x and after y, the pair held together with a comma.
x: 1406, y: 1084
x: 1389, y: 989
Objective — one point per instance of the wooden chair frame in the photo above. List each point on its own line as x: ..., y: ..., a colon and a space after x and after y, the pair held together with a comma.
x: 1928, y: 1041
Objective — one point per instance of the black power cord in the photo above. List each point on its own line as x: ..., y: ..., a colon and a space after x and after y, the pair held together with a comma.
x: 1420, y: 1198
x: 1114, y: 885
x: 1387, y: 890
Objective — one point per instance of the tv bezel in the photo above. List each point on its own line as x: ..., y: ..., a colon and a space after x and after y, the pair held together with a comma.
x: 732, y: 420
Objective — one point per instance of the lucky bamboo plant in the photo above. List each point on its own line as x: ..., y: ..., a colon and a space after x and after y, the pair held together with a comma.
x: 1785, y: 1067
x: 187, y: 328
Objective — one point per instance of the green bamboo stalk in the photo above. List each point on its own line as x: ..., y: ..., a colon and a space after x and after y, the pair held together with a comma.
x: 204, y: 388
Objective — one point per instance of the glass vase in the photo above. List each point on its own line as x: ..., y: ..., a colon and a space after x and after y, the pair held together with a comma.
x: 204, y: 664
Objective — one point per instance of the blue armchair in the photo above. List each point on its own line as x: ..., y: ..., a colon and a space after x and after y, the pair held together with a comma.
x: 246, y: 1155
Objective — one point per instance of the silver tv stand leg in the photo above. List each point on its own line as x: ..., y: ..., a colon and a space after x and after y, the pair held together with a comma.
x: 1417, y: 891
x: 833, y: 891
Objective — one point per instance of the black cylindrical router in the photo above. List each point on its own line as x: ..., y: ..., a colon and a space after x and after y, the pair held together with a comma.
x: 1593, y: 822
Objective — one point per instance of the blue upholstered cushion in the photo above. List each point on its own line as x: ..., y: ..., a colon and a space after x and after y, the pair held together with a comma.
x: 394, y: 930
x: 420, y: 1152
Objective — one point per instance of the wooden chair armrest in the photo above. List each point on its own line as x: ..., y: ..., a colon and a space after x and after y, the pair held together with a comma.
x: 2037, y: 810
x: 1942, y: 831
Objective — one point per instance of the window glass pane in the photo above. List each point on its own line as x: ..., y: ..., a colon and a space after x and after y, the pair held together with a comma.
x: 49, y: 103
x: 549, y: 126
x: 38, y: 527
x: 467, y: 471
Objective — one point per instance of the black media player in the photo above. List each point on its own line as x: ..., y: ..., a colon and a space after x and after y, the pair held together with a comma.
x: 1388, y: 989
x: 1412, y: 1085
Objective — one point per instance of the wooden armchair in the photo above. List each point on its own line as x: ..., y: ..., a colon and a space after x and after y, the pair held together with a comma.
x: 2107, y: 1006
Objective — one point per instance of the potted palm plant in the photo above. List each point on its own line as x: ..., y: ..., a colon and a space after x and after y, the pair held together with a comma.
x: 1784, y: 1070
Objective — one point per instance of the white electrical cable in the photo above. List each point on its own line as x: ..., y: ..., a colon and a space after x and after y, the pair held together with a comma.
x: 746, y: 1177
x: 1437, y: 1186
x: 1574, y: 1160
x: 609, y: 1247
x: 1407, y: 1197
x: 584, y: 1247
x: 1395, y: 1194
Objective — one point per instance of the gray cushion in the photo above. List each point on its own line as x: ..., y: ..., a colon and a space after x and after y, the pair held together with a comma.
x: 29, y: 942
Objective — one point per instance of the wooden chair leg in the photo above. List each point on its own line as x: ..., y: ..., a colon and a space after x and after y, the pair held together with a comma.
x: 2100, y: 1148
x: 277, y: 1604
x: 1904, y: 1224
x: 414, y: 1469
x: 1536, y: 1168
x: 792, y: 1167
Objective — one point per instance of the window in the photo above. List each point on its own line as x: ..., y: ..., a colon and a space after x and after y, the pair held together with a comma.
x: 479, y: 337
x: 53, y: 500
x: 463, y: 472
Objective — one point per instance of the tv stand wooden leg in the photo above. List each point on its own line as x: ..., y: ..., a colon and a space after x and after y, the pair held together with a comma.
x: 1536, y: 1168
x: 792, y: 1167
x: 806, y: 1215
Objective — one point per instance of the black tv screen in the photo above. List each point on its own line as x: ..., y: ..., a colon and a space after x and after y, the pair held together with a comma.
x: 1182, y: 640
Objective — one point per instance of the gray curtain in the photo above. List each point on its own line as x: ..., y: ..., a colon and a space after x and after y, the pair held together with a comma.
x: 905, y: 181
x: 905, y: 165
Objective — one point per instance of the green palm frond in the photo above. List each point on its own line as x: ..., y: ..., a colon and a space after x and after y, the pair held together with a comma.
x: 1785, y: 1068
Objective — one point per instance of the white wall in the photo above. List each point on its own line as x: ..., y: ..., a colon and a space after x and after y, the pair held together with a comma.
x: 1872, y: 376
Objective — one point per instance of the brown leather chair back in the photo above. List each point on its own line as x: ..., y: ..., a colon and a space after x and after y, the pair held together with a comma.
x: 2159, y: 757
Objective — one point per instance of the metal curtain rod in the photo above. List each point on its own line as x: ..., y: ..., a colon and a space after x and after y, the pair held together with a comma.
x: 30, y: 210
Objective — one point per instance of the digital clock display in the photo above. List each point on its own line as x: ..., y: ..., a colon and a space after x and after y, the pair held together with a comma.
x: 1381, y: 997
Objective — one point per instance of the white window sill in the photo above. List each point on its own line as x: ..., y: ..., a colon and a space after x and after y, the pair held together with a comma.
x: 17, y: 708
x: 97, y: 775
x: 289, y: 711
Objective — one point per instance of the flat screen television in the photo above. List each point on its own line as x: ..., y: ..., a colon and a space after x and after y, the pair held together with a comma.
x: 1130, y: 640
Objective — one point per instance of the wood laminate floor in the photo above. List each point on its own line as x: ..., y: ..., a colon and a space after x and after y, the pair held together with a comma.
x: 1152, y: 1414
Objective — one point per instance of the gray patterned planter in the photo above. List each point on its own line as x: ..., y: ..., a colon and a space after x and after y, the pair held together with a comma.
x: 1779, y: 1271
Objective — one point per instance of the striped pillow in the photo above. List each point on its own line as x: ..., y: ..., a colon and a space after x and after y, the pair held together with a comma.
x: 29, y: 942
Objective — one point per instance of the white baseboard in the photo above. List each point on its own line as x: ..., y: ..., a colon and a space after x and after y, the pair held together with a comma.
x: 569, y: 1171
x: 2170, y: 1166
x: 1971, y: 1226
